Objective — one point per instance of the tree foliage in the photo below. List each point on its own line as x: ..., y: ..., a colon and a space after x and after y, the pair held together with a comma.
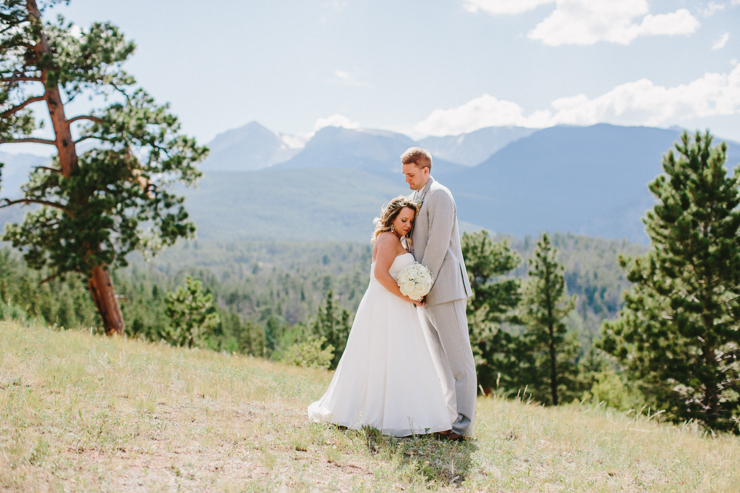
x: 495, y: 298
x: 679, y: 331
x: 313, y: 352
x: 332, y: 324
x: 192, y: 313
x: 97, y: 206
x: 544, y: 305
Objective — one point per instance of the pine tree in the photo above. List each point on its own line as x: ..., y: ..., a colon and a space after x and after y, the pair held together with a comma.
x: 495, y: 297
x: 333, y: 324
x: 192, y: 314
x: 94, y: 207
x: 544, y: 305
x: 679, y: 331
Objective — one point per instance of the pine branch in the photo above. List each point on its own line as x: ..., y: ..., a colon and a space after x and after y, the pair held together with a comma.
x: 26, y: 201
x: 85, y: 138
x: 53, y: 276
x: 125, y: 94
x: 13, y: 26
x: 21, y: 106
x: 85, y: 117
x: 21, y: 79
x: 29, y: 140
x: 53, y: 170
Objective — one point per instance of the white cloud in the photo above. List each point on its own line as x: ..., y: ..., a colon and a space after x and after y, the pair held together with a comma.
x: 334, y: 121
x: 585, y: 22
x: 721, y: 42
x: 497, y: 7
x: 294, y: 141
x: 344, y: 77
x: 634, y: 103
x: 485, y: 111
x: 712, y: 8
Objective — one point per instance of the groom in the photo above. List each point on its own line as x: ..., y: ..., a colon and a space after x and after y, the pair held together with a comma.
x: 436, y: 245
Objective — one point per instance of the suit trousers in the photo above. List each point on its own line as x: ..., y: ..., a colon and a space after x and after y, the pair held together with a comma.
x: 446, y: 331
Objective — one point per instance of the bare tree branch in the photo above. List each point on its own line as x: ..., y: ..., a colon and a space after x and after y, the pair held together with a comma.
x: 85, y: 138
x: 85, y: 117
x: 21, y: 79
x: 53, y: 276
x: 29, y: 140
x: 9, y: 202
x: 53, y: 170
x: 128, y: 98
x: 21, y: 106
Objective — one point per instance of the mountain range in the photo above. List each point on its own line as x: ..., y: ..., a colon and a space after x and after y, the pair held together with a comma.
x: 249, y: 148
x: 474, y: 147
x: 260, y: 184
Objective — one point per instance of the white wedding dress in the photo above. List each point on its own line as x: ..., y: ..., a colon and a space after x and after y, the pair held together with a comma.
x: 386, y: 378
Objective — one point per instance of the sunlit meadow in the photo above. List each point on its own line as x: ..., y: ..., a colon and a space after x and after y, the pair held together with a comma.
x: 80, y: 412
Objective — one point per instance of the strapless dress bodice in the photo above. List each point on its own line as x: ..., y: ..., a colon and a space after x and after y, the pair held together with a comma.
x: 401, y: 261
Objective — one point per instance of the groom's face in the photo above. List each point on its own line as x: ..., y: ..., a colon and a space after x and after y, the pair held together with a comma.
x: 416, y: 176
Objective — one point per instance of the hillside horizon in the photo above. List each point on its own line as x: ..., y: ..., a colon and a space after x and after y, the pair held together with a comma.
x: 260, y: 184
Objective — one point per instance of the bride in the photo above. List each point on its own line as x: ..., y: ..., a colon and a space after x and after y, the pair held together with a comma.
x: 386, y: 378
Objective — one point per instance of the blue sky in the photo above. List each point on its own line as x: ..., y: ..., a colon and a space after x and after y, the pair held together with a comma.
x: 433, y: 66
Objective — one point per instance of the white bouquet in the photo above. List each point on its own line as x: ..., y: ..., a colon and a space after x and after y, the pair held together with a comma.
x: 415, y: 281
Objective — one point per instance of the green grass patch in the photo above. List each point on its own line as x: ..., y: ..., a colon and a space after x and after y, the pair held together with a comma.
x: 90, y: 413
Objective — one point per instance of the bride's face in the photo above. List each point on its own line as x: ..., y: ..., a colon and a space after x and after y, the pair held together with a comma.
x: 404, y: 221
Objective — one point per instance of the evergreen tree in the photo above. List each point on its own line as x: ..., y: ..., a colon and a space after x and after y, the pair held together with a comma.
x: 679, y: 331
x: 497, y: 352
x: 96, y: 206
x: 191, y: 313
x: 333, y: 325
x: 544, y: 305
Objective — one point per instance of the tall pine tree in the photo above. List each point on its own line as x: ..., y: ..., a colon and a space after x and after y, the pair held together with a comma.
x: 495, y: 298
x: 93, y: 207
x: 544, y: 305
x: 333, y: 323
x: 679, y: 331
x: 192, y: 314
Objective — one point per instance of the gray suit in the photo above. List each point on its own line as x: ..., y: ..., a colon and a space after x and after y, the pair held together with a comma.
x: 436, y: 245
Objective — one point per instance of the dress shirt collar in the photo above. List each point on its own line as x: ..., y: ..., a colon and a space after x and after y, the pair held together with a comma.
x: 423, y: 192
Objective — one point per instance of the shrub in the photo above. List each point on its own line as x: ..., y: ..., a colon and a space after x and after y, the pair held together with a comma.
x: 309, y: 353
x: 614, y: 391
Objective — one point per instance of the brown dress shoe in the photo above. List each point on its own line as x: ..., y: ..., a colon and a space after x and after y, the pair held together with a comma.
x: 452, y: 436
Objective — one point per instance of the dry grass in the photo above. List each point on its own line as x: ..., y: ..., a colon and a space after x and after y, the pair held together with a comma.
x: 87, y: 413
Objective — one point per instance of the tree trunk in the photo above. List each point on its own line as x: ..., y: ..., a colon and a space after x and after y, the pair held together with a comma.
x: 551, y: 330
x: 553, y: 367
x: 711, y: 392
x: 100, y: 284
x: 101, y: 289
x: 63, y: 134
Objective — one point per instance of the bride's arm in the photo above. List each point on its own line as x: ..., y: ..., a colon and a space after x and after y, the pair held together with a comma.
x: 388, y: 247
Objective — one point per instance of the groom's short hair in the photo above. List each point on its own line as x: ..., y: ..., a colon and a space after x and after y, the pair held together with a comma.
x: 418, y: 156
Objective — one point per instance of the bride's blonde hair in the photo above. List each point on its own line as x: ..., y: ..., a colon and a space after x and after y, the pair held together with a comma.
x: 390, y: 213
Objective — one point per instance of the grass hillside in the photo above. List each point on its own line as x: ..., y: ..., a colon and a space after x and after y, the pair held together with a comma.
x: 88, y: 413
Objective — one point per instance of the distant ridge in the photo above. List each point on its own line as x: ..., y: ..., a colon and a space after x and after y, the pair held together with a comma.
x: 377, y: 151
x: 587, y: 180
x: 474, y: 147
x: 248, y: 148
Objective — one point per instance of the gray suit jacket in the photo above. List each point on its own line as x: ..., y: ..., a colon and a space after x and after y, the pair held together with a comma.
x: 436, y: 244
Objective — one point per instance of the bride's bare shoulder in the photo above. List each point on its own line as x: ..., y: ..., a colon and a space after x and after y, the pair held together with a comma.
x: 388, y: 242
x: 387, y: 238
